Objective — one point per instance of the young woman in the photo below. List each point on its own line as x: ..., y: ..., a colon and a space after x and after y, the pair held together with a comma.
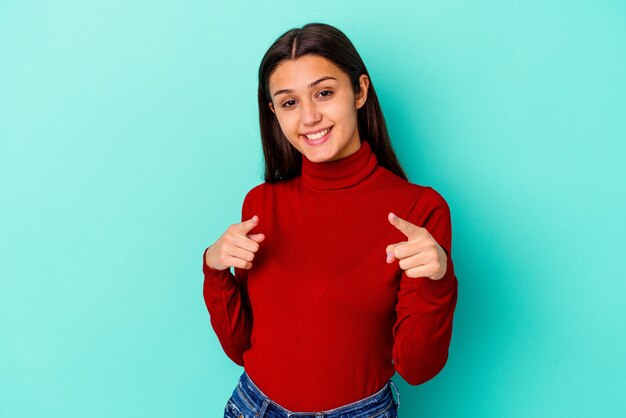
x: 342, y: 268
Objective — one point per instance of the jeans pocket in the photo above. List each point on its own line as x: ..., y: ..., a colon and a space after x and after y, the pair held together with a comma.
x: 392, y: 411
x: 231, y: 410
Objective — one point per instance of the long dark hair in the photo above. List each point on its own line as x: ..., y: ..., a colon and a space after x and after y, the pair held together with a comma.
x: 282, y: 160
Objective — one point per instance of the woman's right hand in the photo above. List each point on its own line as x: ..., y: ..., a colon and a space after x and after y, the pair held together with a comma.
x: 235, y: 248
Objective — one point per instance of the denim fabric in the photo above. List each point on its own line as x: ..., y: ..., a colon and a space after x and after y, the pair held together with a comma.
x: 247, y: 401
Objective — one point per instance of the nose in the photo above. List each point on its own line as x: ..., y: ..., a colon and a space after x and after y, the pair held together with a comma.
x: 309, y: 114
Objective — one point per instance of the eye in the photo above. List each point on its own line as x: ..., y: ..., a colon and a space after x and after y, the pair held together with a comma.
x: 286, y: 104
x: 325, y: 91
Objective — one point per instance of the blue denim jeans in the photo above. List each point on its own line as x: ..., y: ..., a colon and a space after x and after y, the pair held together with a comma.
x: 247, y: 401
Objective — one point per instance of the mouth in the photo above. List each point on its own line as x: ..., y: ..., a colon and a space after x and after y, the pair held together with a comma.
x: 318, y: 137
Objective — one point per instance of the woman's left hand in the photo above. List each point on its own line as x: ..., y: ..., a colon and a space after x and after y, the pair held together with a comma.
x: 421, y: 255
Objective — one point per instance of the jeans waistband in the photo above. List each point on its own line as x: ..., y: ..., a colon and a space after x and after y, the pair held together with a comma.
x: 263, y: 406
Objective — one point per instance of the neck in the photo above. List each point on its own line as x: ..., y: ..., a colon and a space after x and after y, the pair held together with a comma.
x: 342, y: 173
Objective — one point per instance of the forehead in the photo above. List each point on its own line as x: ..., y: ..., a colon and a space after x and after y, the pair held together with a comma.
x: 298, y: 73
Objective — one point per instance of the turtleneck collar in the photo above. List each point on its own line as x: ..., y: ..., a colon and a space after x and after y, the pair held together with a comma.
x: 342, y: 173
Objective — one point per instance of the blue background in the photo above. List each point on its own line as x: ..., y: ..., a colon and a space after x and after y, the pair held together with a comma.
x: 129, y: 137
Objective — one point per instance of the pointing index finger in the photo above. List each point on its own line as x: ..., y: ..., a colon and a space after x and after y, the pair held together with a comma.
x: 246, y: 226
x: 406, y: 227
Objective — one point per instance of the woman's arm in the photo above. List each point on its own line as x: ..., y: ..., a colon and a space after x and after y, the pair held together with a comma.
x: 226, y: 298
x: 425, y: 307
x: 225, y: 293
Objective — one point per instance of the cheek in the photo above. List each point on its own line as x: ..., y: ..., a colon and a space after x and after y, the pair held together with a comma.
x: 289, y: 126
x: 347, y: 117
x: 287, y: 123
x: 345, y: 110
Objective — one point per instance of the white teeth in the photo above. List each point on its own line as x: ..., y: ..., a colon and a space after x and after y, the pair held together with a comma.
x: 318, y: 135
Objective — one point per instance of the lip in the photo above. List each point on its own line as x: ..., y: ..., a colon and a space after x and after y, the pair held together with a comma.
x: 318, y: 141
x: 316, y: 131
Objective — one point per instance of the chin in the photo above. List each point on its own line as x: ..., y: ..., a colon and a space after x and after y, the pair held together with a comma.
x: 319, y: 157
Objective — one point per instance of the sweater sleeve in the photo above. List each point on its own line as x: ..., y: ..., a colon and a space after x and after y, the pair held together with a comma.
x: 226, y: 299
x: 425, y: 307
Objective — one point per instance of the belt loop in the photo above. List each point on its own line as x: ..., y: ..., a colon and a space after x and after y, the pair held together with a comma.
x: 397, y: 392
x: 261, y: 413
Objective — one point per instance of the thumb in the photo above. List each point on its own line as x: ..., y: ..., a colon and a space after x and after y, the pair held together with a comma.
x: 391, y: 257
x: 257, y: 237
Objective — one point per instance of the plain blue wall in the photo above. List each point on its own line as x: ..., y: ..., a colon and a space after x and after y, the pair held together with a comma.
x: 129, y: 137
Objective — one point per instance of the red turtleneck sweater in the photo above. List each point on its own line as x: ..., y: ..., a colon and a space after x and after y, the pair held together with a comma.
x: 321, y: 320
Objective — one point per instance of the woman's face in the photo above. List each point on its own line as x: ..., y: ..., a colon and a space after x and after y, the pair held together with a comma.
x: 316, y: 107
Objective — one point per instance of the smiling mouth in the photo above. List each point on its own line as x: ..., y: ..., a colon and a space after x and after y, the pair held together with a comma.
x: 318, y: 137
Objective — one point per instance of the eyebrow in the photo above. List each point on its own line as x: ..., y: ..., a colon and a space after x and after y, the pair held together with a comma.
x: 313, y: 84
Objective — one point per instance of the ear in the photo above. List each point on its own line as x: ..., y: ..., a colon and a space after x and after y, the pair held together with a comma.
x: 361, y: 97
x: 272, y: 107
